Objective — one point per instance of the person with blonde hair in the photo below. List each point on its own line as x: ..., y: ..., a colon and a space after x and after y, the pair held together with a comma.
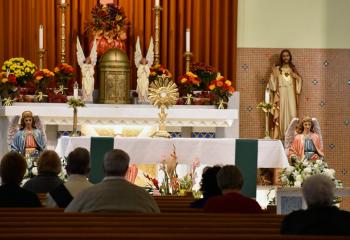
x: 49, y: 166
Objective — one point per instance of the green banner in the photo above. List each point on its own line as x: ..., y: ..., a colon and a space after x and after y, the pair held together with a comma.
x: 99, y: 146
x: 247, y: 161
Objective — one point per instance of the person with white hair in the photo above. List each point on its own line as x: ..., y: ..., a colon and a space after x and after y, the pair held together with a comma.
x: 114, y: 193
x: 321, y: 217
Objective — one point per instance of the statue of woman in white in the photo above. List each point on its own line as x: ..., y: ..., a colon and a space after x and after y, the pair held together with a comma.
x: 143, y: 70
x: 87, y: 66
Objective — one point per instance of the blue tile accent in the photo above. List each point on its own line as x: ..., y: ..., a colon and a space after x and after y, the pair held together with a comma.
x: 175, y: 134
x: 322, y: 103
x: 326, y: 63
x: 65, y: 133
x: 290, y: 204
x: 315, y: 82
x: 203, y: 135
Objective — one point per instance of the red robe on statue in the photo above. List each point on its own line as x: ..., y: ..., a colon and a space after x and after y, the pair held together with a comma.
x: 297, y: 148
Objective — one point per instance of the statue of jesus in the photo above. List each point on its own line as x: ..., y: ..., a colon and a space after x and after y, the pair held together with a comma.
x: 285, y: 87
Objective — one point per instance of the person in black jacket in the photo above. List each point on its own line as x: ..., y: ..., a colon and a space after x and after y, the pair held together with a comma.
x: 321, y: 217
x: 209, y: 186
x: 12, y: 169
x: 49, y: 166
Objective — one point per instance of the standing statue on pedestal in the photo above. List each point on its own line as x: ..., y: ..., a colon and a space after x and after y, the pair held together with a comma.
x: 30, y: 139
x: 304, y: 140
x: 285, y: 86
x: 143, y: 70
x: 87, y: 66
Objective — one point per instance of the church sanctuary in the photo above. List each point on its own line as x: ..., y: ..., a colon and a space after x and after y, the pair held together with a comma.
x: 174, y: 119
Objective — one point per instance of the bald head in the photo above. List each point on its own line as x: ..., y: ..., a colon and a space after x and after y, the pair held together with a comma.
x: 116, y: 163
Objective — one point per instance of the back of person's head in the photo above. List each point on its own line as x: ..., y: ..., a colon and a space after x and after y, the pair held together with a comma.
x: 116, y: 163
x: 78, y: 162
x: 229, y: 177
x: 209, y: 184
x: 318, y: 191
x: 12, y: 168
x: 49, y: 161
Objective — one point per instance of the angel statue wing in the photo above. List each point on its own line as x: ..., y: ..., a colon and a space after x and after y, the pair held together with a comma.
x: 150, y: 53
x: 13, y: 129
x: 93, y: 53
x: 290, y: 134
x: 317, y: 129
x: 138, y: 53
x: 80, y: 53
x: 39, y: 125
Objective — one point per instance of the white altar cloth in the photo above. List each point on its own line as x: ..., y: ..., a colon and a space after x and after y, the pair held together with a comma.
x: 271, y: 153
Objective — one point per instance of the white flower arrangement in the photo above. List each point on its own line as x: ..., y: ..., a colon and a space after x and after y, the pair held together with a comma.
x: 294, y: 176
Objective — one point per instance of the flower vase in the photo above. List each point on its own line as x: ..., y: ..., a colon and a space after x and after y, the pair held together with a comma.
x: 188, y: 99
x: 222, y: 103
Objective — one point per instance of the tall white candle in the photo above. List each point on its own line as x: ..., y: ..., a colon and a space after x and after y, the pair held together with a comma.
x: 63, y: 1
x: 188, y: 40
x: 7, y: 72
x: 156, y: 3
x: 41, y: 37
x: 267, y: 95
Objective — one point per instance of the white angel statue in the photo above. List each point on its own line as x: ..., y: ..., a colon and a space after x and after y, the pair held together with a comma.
x: 87, y: 66
x: 143, y: 69
x: 303, y: 140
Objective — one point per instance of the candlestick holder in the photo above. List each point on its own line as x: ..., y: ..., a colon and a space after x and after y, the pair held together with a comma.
x: 157, y: 10
x: 42, y: 52
x: 188, y: 56
x: 267, y: 130
x: 63, y: 7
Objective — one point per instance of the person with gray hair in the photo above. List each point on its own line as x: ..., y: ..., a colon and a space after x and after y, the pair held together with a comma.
x: 321, y: 217
x: 114, y: 193
x: 230, y: 181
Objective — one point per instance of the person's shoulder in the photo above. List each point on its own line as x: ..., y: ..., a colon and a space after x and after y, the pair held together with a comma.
x: 297, y: 216
x: 213, y: 201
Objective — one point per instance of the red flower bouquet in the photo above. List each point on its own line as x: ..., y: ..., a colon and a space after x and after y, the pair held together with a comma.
x: 7, y: 84
x: 222, y: 89
x: 64, y: 72
x: 42, y: 79
x: 158, y: 71
x: 188, y: 83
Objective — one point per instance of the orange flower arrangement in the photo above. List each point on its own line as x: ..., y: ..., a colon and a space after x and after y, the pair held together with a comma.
x: 42, y: 78
x: 157, y: 71
x: 188, y: 82
x: 221, y: 87
x: 7, y: 83
x: 64, y: 72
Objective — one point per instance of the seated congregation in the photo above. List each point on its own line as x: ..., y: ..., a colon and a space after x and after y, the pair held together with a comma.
x: 222, y: 200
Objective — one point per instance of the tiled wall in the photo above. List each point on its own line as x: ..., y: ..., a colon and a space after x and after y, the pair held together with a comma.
x: 325, y: 95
